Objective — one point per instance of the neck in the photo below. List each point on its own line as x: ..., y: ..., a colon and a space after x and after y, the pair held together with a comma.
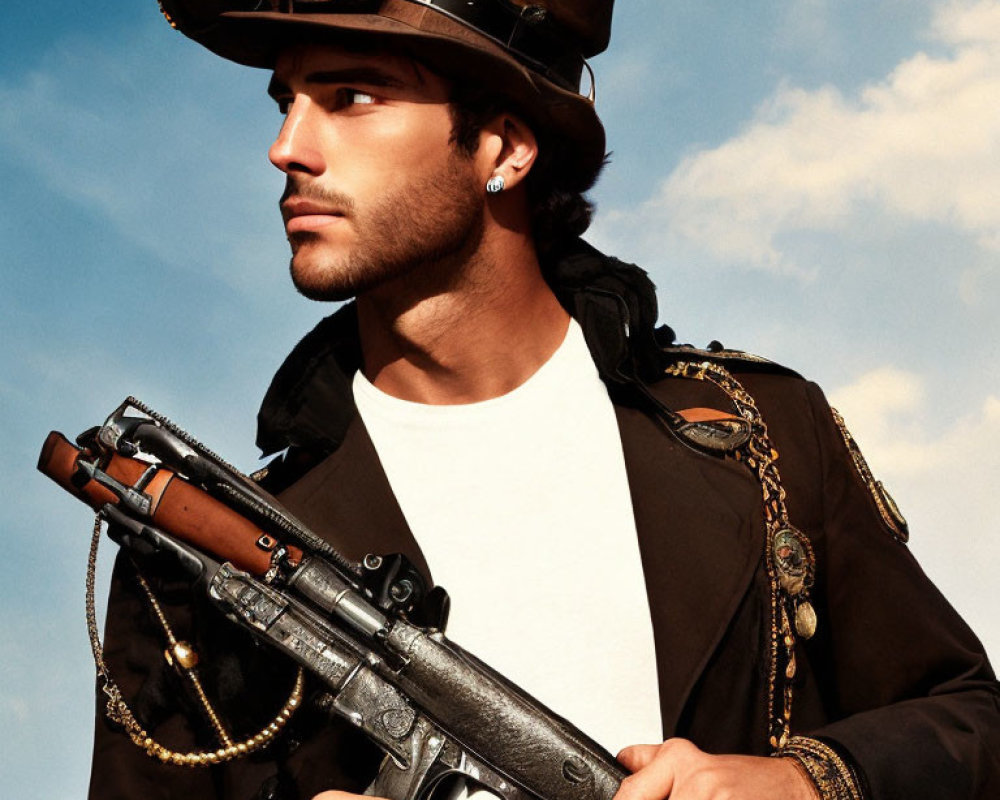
x: 465, y: 331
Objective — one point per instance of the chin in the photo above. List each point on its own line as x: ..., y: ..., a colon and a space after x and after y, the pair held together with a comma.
x: 320, y: 284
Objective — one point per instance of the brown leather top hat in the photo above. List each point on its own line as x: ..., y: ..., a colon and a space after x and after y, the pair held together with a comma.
x: 532, y: 51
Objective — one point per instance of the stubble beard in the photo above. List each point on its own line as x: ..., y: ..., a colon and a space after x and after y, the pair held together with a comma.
x: 428, y: 227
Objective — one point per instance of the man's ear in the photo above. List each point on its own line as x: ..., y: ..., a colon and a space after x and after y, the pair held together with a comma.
x: 513, y: 148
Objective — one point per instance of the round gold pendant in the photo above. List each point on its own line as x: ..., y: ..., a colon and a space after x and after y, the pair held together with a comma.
x: 182, y: 654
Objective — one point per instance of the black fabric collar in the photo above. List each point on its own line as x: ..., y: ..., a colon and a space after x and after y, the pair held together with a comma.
x: 310, y: 403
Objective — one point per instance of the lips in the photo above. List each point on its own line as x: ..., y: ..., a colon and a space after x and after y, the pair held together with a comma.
x: 300, y: 214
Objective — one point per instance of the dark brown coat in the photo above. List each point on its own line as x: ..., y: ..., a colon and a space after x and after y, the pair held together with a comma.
x: 893, y: 679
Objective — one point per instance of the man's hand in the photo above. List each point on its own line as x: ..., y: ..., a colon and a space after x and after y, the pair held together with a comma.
x: 678, y: 770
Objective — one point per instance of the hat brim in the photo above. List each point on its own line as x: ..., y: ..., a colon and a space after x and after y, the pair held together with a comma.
x: 256, y: 38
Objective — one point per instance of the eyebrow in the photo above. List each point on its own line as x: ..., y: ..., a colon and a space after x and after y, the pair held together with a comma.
x: 370, y: 76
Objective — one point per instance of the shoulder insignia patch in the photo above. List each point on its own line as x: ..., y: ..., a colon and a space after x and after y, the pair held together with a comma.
x: 742, y: 355
x: 887, y: 508
x: 718, y: 354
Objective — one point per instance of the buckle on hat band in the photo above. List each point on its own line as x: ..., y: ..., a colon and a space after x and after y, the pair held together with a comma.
x: 527, y: 32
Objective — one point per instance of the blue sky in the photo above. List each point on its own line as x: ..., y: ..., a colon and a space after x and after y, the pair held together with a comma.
x: 814, y: 181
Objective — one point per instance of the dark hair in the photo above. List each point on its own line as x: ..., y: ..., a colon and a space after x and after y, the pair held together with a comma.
x: 555, y: 185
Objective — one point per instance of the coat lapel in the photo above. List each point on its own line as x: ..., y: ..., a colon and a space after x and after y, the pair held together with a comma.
x: 699, y: 524
x: 346, y: 499
x: 698, y: 520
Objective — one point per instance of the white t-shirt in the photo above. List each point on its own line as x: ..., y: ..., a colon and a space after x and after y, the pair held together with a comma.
x: 522, y: 509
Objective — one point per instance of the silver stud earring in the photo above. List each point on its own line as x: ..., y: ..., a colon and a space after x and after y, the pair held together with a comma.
x: 496, y: 184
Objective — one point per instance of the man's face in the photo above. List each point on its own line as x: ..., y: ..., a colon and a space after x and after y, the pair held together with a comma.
x: 375, y: 188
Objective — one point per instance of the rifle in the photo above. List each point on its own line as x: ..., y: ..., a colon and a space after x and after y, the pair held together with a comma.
x: 370, y: 632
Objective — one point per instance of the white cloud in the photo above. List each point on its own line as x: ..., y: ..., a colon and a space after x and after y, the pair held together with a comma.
x: 970, y: 22
x: 920, y: 146
x: 888, y: 409
x: 884, y: 408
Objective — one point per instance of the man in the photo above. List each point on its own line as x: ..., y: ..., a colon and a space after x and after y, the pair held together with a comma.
x: 497, y: 405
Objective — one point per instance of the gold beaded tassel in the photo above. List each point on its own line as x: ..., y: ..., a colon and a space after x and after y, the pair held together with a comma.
x: 183, y: 657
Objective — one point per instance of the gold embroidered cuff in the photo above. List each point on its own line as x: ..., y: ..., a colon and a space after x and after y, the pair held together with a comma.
x: 832, y: 776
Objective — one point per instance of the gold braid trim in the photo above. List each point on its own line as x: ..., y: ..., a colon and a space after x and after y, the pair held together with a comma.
x: 788, y: 554
x: 118, y: 710
x: 831, y: 775
x: 887, y: 508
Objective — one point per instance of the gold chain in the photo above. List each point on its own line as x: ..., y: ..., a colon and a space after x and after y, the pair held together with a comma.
x: 118, y: 710
x: 788, y: 557
x: 179, y: 654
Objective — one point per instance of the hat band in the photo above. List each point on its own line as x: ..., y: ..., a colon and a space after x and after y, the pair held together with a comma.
x: 527, y: 32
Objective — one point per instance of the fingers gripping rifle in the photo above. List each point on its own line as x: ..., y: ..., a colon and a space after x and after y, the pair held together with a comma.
x: 368, y: 631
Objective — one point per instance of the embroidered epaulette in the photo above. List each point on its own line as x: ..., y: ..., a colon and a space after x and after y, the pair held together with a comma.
x: 884, y: 503
x: 735, y: 360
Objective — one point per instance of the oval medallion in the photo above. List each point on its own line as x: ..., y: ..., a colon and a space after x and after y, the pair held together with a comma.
x: 720, y: 436
x: 805, y: 620
x: 792, y: 560
x: 891, y: 514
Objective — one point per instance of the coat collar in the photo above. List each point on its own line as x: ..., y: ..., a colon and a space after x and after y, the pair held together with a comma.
x: 347, y: 500
x: 309, y: 404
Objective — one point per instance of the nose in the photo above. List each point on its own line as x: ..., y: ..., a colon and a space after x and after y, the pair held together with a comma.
x: 297, y: 148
